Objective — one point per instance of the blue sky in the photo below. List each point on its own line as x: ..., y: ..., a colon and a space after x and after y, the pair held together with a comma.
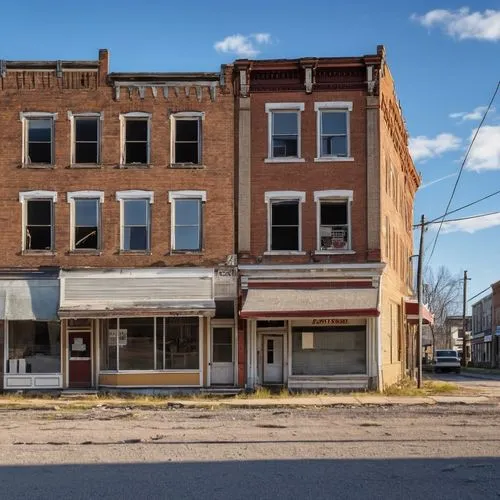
x: 445, y: 57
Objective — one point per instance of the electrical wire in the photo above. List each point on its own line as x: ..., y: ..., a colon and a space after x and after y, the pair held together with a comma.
x: 462, y: 168
x: 478, y: 294
x: 478, y: 216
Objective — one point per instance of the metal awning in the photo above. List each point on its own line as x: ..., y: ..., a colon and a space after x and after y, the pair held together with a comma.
x: 29, y: 299
x: 411, y: 310
x: 274, y: 303
x: 112, y: 293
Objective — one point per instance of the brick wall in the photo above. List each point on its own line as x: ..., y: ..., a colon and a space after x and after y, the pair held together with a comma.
x: 44, y: 92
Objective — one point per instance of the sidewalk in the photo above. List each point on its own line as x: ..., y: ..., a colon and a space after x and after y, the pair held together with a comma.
x: 285, y: 402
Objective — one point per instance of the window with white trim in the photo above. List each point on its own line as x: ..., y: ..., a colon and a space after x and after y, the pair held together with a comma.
x: 38, y: 138
x: 333, y: 220
x: 284, y: 221
x: 86, y: 137
x: 135, y: 209
x: 333, y: 141
x: 85, y: 219
x: 187, y: 220
x: 38, y: 220
x: 284, y: 141
x: 135, y: 129
x: 187, y: 138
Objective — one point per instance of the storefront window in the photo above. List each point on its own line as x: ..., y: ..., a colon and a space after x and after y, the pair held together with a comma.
x: 329, y: 350
x: 176, y: 346
x: 34, y: 347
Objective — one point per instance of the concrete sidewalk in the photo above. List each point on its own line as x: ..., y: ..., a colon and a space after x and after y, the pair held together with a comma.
x: 285, y: 402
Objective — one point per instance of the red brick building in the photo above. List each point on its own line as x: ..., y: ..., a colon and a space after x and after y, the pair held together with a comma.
x: 325, y: 208
x: 117, y: 222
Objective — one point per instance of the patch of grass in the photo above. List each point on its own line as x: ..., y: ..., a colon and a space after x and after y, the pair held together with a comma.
x: 408, y: 387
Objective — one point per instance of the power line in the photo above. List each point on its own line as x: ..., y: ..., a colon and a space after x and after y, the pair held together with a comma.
x: 478, y: 216
x: 462, y: 168
x: 478, y: 294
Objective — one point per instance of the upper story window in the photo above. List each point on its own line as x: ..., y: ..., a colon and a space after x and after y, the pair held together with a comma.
x: 333, y: 141
x: 186, y: 144
x: 284, y: 221
x: 284, y: 131
x: 86, y: 138
x: 333, y: 220
x: 86, y: 220
x: 38, y: 138
x: 38, y: 220
x: 135, y: 132
x: 187, y: 220
x: 135, y: 210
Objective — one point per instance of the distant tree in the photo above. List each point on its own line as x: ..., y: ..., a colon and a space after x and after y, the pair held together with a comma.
x: 441, y: 293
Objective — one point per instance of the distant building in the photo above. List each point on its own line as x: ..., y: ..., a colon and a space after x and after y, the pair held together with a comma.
x: 454, y: 334
x: 481, y: 332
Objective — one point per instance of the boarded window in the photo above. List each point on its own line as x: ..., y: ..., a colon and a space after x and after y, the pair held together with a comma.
x: 285, y: 225
x: 39, y: 225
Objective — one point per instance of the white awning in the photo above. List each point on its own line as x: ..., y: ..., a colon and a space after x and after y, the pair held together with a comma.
x: 110, y: 293
x: 29, y: 299
x: 300, y: 303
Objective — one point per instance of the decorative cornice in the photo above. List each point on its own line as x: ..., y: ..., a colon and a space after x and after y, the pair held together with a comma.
x: 139, y: 89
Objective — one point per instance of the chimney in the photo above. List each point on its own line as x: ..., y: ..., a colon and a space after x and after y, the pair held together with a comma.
x: 103, y: 66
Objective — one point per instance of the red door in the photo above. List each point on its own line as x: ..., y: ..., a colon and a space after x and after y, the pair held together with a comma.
x: 80, y: 360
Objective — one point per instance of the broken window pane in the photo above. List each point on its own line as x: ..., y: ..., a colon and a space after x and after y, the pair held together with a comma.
x: 87, y: 140
x: 334, y: 226
x: 285, y: 134
x: 285, y: 225
x: 136, y: 224
x: 38, y: 225
x: 87, y: 224
x: 39, y: 141
x: 136, y: 141
x: 187, y: 141
x: 333, y: 133
x: 187, y: 224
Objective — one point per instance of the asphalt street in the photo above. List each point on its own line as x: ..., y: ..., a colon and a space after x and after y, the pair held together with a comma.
x: 445, y: 452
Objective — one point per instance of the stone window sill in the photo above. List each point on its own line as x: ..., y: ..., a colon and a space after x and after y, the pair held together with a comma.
x: 135, y: 165
x: 190, y: 166
x: 187, y: 252
x: 85, y: 165
x: 284, y: 160
x: 85, y: 252
x: 135, y: 252
x: 334, y: 252
x: 39, y: 252
x: 333, y: 159
x: 38, y: 166
x: 285, y: 252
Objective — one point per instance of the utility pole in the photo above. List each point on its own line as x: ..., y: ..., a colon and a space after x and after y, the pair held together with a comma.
x: 464, y: 322
x: 419, y: 299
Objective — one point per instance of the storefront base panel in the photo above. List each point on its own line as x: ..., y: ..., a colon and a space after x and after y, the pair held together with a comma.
x: 332, y: 383
x: 149, y: 379
x: 391, y: 374
x: 32, y: 381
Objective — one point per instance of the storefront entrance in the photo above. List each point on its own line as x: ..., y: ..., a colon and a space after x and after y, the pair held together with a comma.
x: 273, y: 359
x: 222, y: 368
x: 80, y: 359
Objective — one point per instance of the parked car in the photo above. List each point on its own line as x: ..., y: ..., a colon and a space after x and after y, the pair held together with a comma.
x: 446, y: 360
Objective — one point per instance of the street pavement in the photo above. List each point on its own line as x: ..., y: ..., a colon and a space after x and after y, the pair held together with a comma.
x: 482, y: 384
x: 358, y: 452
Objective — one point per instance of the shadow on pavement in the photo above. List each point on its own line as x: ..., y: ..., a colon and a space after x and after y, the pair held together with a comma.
x: 451, y: 478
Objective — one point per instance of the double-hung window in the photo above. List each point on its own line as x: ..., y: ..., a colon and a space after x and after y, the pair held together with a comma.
x: 86, y: 220
x: 284, y: 221
x: 135, y: 131
x: 86, y: 138
x: 333, y: 210
x: 187, y: 220
x: 38, y: 220
x: 186, y: 143
x: 284, y: 139
x: 38, y: 138
x: 135, y: 209
x: 332, y: 124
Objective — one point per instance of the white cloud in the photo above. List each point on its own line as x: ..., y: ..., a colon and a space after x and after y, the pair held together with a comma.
x: 464, y: 24
x: 471, y: 225
x: 243, y: 45
x: 485, y: 153
x: 423, y: 147
x: 475, y: 115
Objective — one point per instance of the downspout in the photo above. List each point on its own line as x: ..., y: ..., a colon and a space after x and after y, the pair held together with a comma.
x: 380, y: 384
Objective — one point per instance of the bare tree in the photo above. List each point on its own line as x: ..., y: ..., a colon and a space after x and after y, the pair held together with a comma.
x: 442, y: 294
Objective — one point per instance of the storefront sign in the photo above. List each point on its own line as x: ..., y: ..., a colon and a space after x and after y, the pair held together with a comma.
x: 330, y: 321
x: 122, y: 337
x: 307, y: 340
x: 78, y: 345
